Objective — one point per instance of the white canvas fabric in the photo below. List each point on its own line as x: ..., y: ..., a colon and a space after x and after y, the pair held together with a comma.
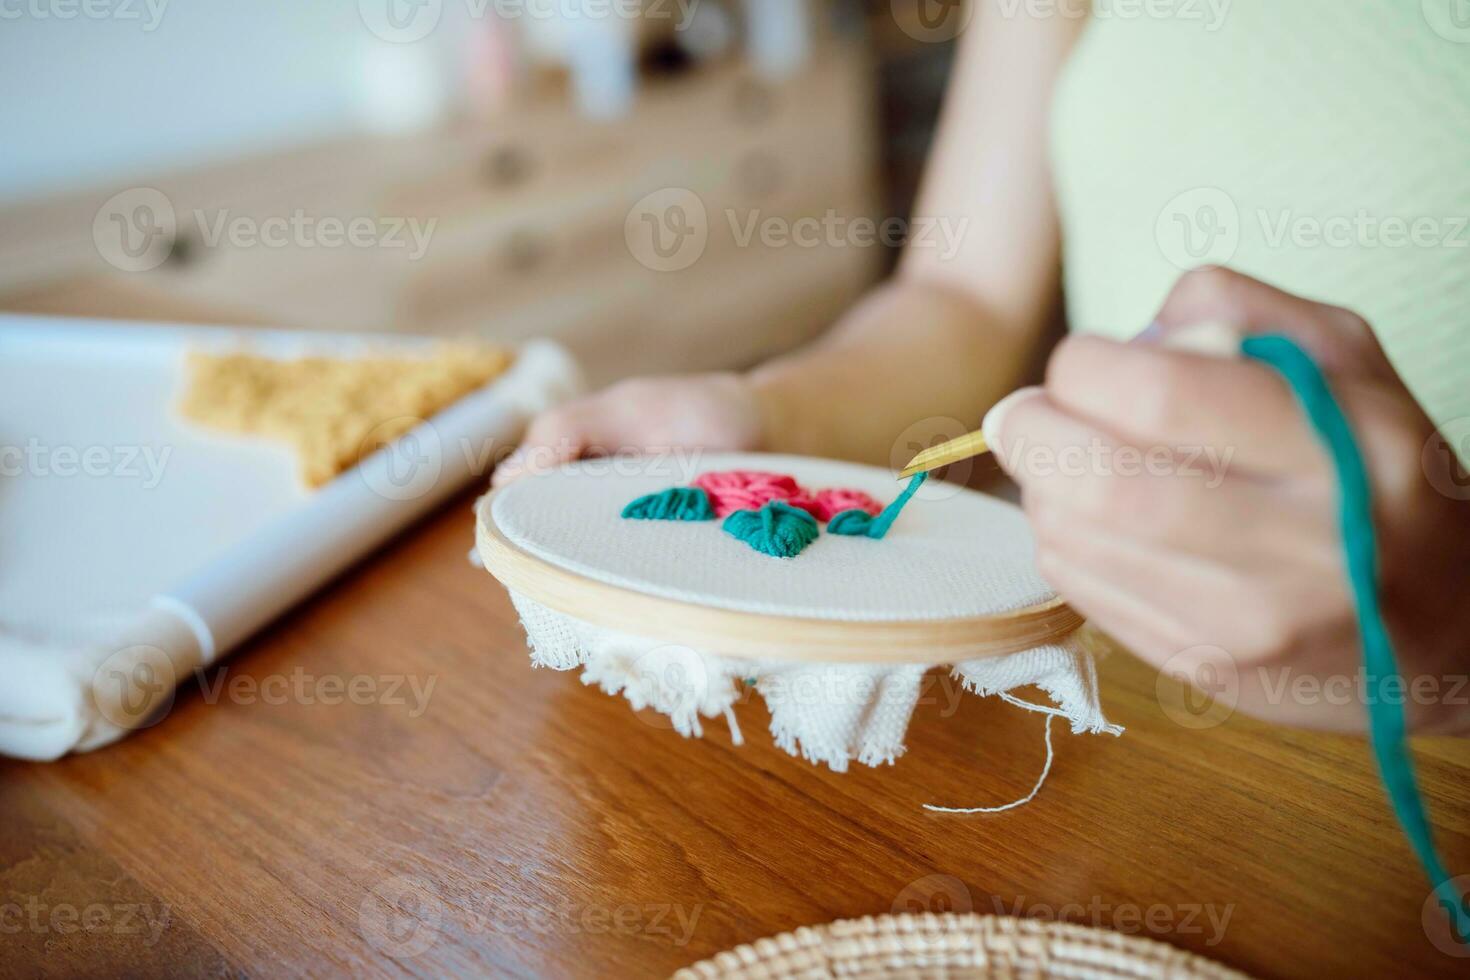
x: 953, y: 554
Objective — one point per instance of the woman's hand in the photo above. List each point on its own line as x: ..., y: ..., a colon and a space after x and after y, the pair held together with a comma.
x: 1183, y: 503
x: 709, y: 411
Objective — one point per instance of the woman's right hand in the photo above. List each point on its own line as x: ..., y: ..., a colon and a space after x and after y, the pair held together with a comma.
x: 706, y: 411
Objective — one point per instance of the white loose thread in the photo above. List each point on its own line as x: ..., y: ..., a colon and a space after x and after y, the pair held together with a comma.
x: 735, y: 737
x: 1050, y: 713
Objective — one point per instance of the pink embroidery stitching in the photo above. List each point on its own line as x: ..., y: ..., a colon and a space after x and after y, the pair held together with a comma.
x: 746, y: 489
x: 751, y: 490
x: 829, y: 503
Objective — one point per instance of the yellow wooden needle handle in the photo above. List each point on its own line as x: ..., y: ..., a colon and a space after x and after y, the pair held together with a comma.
x: 1215, y: 339
x: 964, y: 447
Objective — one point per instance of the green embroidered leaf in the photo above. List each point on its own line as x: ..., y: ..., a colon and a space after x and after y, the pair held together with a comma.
x: 777, y: 529
x: 851, y: 523
x: 673, y: 504
x: 861, y: 524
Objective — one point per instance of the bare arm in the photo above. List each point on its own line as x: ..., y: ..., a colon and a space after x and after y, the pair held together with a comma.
x: 944, y: 339
x: 949, y: 334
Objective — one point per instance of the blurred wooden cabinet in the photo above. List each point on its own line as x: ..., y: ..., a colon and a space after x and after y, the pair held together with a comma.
x: 531, y: 226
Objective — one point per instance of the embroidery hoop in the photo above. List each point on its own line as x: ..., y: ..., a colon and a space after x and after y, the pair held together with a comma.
x: 757, y: 635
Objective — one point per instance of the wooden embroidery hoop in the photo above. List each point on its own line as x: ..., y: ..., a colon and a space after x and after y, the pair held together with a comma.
x: 733, y: 633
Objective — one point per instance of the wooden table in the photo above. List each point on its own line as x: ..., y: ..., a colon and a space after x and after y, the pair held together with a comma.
x: 511, y: 822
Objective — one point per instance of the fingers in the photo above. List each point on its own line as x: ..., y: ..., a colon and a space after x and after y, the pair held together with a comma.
x: 1072, y: 471
x: 1150, y: 393
x: 553, y: 438
x: 710, y: 411
x: 1150, y: 396
x: 1136, y: 621
x: 1338, y: 339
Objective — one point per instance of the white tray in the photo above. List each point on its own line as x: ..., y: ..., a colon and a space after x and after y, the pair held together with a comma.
x: 110, y: 505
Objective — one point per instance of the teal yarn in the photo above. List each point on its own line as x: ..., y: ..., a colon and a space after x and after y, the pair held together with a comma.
x: 777, y: 529
x: 852, y: 523
x: 1385, y: 715
x: 673, y: 504
x: 861, y: 524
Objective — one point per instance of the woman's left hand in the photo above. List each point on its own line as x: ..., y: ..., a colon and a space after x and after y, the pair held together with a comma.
x: 1183, y: 504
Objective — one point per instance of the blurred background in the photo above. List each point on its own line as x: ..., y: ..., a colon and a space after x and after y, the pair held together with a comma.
x: 659, y: 184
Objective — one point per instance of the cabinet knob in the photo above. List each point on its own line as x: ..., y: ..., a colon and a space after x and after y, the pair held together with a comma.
x: 755, y: 102
x: 525, y: 251
x: 183, y: 250
x: 758, y: 174
x: 507, y: 166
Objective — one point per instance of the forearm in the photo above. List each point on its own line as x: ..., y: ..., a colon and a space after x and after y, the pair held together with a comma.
x: 928, y: 353
x: 914, y: 359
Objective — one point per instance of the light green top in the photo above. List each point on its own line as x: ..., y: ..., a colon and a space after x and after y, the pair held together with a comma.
x: 1320, y: 145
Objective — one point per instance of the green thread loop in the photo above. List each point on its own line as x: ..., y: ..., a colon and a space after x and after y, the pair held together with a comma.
x: 673, y: 504
x: 861, y: 524
x: 777, y: 529
x: 1385, y: 715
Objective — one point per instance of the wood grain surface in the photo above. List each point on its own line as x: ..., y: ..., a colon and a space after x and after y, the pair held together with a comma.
x: 314, y: 807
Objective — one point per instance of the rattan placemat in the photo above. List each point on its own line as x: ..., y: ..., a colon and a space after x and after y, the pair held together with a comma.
x: 920, y: 947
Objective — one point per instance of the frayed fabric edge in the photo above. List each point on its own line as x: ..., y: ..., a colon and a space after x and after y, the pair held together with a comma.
x: 686, y: 685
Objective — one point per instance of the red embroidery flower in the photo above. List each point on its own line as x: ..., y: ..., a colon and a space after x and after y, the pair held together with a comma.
x: 746, y: 489
x: 734, y: 490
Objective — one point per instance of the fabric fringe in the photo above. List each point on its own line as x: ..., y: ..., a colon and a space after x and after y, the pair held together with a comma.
x: 828, y: 714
